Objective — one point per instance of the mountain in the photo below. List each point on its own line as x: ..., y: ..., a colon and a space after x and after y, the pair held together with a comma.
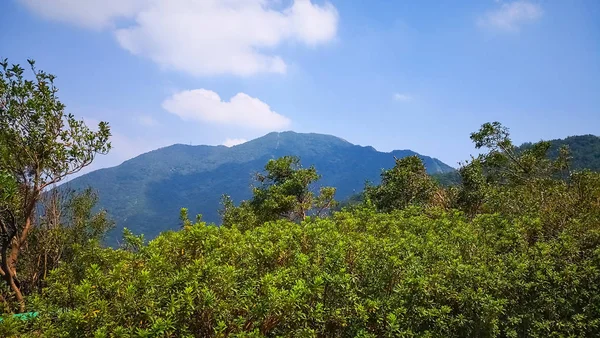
x: 585, y: 150
x: 146, y: 193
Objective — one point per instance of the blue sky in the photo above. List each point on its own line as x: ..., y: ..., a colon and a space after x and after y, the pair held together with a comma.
x: 417, y: 75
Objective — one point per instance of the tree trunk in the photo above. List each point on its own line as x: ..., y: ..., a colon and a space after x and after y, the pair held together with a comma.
x: 9, y: 262
x: 9, y: 273
x: 11, y: 281
x: 22, y: 238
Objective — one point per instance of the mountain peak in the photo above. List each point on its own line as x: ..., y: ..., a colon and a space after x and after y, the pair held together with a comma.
x: 146, y: 193
x: 292, y: 136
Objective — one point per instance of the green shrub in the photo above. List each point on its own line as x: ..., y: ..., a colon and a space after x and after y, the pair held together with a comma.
x: 357, y: 273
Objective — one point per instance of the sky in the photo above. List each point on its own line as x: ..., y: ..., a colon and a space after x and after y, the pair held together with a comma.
x: 419, y: 75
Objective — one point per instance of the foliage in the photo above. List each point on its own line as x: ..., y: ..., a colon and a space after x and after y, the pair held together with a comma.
x: 448, y: 179
x: 284, y: 192
x: 67, y: 222
x: 66, y: 225
x: 512, y: 181
x: 406, y: 184
x: 39, y: 146
x: 8, y: 189
x: 584, y: 149
x: 358, y: 273
x: 41, y: 143
x: 353, y: 201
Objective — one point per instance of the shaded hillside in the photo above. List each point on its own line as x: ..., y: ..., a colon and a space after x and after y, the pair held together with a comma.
x: 146, y: 193
x: 585, y: 150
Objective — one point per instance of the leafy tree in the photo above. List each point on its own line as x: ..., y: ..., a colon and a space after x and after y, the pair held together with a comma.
x: 407, y: 183
x: 284, y: 191
x: 471, y: 192
x: 67, y: 223
x: 493, y: 179
x: 505, y: 164
x: 40, y: 145
x: 584, y: 149
x: 242, y: 216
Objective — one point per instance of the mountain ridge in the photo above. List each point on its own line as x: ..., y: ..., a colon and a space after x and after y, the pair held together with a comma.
x: 146, y: 192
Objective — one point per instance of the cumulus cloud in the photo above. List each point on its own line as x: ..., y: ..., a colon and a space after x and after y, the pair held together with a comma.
x: 230, y: 142
x: 241, y: 110
x: 204, y: 37
x: 402, y: 97
x: 511, y: 15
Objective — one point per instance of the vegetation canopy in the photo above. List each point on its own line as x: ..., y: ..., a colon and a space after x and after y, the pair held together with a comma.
x: 40, y: 145
x: 510, y: 249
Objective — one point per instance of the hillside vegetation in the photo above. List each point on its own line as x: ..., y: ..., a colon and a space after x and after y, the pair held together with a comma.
x: 512, y: 250
x: 584, y: 150
x: 146, y: 192
x: 584, y: 153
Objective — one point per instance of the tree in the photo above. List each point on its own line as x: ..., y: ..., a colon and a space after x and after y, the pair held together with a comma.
x: 506, y: 164
x: 471, y: 192
x: 242, y: 216
x: 40, y: 145
x: 66, y: 224
x: 407, y: 183
x: 8, y: 227
x: 525, y: 182
x: 508, y: 179
x: 284, y: 191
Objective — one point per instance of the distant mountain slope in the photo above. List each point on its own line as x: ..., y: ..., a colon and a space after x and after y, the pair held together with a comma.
x: 146, y: 193
x: 585, y: 150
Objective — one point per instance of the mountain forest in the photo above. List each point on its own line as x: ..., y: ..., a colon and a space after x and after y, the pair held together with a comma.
x: 147, y: 192
x: 290, y: 235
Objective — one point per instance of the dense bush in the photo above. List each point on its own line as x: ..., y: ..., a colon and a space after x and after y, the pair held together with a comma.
x: 357, y: 273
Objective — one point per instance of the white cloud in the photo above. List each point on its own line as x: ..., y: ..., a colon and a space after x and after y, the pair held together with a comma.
x: 202, y: 37
x: 230, y: 142
x: 402, y: 97
x: 511, y: 15
x: 147, y: 121
x: 93, y: 14
x: 242, y: 110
